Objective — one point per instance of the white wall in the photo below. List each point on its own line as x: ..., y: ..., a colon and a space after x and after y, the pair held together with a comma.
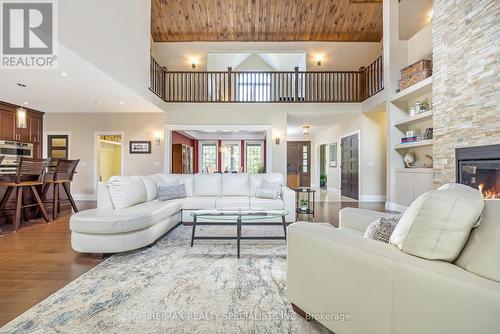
x: 114, y: 35
x: 420, y: 45
x: 372, y: 129
x: 81, y: 128
x: 143, y: 126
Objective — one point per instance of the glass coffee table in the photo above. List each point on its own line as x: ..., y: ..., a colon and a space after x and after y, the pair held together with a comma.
x: 237, y: 218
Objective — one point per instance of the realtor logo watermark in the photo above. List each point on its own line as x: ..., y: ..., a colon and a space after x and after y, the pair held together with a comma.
x: 28, y: 34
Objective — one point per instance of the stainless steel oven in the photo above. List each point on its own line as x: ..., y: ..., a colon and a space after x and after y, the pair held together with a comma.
x: 12, y: 152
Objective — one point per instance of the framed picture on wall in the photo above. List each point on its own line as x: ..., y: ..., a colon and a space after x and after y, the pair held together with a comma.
x: 140, y: 147
x: 333, y: 154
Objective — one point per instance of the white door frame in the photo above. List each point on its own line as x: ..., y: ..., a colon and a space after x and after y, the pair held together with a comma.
x: 193, y: 127
x: 317, y: 162
x: 46, y: 134
x: 339, y: 153
x: 102, y: 133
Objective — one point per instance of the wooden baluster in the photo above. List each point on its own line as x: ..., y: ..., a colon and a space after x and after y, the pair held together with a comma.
x: 258, y: 86
x: 324, y: 86
x: 316, y: 92
x: 229, y: 81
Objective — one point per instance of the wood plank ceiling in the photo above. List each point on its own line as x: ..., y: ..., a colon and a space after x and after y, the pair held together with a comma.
x: 266, y: 20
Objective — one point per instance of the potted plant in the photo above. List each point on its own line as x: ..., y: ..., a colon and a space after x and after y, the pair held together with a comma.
x: 322, y: 180
x: 303, y: 205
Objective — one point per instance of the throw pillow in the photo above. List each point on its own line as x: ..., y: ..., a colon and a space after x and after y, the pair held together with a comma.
x: 437, y: 224
x: 276, y: 186
x: 169, y: 192
x: 261, y: 192
x: 381, y: 229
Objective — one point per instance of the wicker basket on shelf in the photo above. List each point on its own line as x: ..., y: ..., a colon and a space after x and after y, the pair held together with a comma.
x: 414, y: 73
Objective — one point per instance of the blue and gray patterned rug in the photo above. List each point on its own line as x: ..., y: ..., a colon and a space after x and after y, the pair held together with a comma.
x: 173, y: 288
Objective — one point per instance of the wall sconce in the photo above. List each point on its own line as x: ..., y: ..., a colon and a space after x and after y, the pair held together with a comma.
x: 318, y: 60
x: 194, y: 62
x: 158, y: 138
x: 277, y: 137
x: 305, y: 129
x: 430, y: 15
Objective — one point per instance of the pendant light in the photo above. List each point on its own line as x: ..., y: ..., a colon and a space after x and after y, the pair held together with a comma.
x: 21, y: 122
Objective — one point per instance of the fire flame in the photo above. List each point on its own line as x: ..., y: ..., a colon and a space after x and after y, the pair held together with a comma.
x: 488, y: 193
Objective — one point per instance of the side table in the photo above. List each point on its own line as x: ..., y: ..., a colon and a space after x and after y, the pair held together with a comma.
x: 310, y: 193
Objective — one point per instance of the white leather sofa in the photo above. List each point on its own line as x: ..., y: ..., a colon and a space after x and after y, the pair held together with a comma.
x: 128, y: 215
x: 336, y: 273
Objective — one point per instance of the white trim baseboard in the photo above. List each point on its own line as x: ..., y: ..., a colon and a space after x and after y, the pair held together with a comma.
x: 372, y: 198
x: 84, y: 197
x: 394, y: 207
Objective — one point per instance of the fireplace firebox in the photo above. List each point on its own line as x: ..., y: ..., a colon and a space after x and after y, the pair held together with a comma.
x: 479, y: 167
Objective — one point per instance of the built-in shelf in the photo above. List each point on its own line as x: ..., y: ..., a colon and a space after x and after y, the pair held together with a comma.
x: 420, y: 88
x: 420, y: 143
x: 425, y: 116
x: 414, y: 170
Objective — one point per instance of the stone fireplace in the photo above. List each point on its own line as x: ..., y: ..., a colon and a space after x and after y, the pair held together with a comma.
x: 479, y: 167
x: 465, y: 87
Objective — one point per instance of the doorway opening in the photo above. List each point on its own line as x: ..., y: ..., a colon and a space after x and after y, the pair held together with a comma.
x: 349, y: 166
x: 109, y: 156
x: 323, y: 182
x: 298, y: 164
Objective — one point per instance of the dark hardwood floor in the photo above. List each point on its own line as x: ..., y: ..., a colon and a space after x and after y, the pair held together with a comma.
x: 38, y: 260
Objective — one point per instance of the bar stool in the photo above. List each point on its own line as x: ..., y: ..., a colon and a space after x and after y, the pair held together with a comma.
x: 26, y: 168
x: 63, y: 176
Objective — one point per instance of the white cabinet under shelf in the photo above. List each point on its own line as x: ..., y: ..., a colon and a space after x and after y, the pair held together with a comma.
x: 411, y: 183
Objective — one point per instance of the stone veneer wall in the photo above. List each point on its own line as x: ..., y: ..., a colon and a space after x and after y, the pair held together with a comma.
x: 465, y: 79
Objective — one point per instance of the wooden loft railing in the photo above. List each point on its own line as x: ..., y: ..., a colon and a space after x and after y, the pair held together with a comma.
x: 267, y: 87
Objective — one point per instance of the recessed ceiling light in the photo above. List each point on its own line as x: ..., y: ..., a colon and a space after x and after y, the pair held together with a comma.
x: 121, y: 102
x: 25, y: 103
x: 64, y: 74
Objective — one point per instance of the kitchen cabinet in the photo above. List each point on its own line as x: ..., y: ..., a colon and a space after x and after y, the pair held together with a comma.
x: 23, y: 134
x: 33, y: 132
x: 35, y: 128
x: 7, y: 125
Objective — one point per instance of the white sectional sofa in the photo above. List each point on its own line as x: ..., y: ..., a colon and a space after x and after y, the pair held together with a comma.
x: 128, y: 215
x: 352, y: 284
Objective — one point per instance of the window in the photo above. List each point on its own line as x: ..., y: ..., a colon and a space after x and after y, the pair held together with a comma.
x: 58, y: 146
x: 253, y: 87
x: 254, y: 157
x: 231, y: 156
x: 208, y: 157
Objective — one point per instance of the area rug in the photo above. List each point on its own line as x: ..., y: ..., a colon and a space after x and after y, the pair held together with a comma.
x: 173, y: 288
